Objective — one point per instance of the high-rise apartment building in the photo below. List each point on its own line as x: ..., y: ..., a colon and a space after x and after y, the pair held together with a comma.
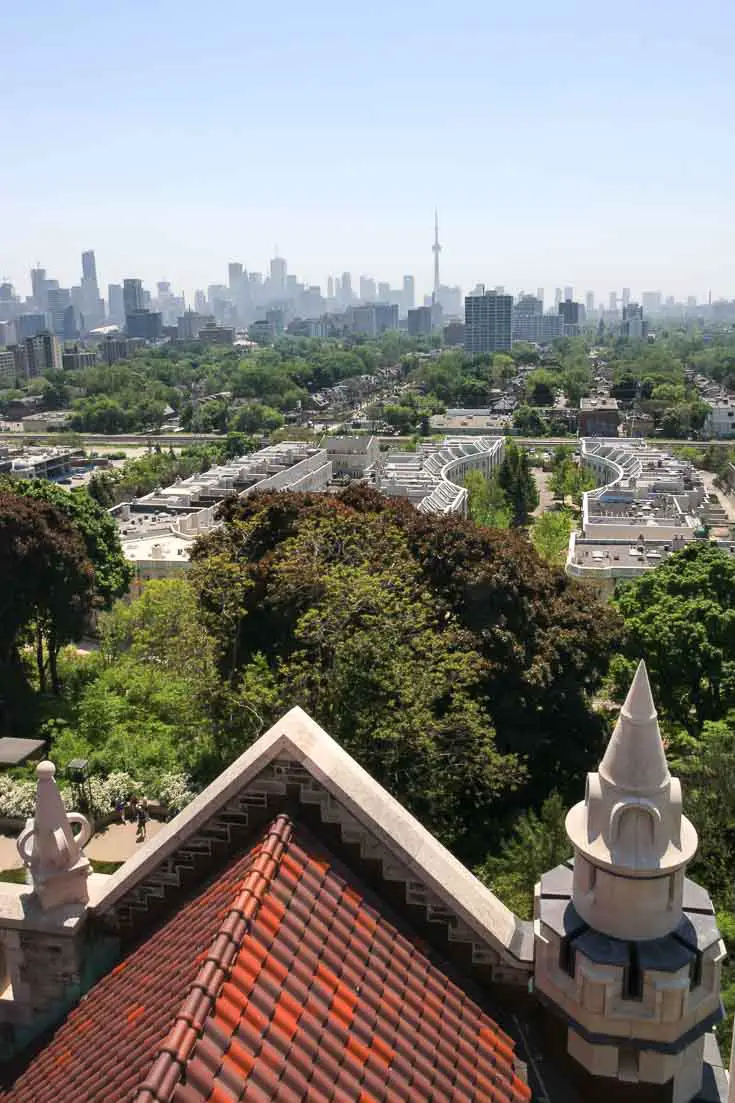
x: 346, y: 288
x: 589, y: 303
x: 43, y: 353
x: 420, y: 322
x: 384, y: 292
x: 330, y: 287
x: 572, y: 315
x: 28, y: 325
x: 557, y: 299
x: 526, y: 311
x: 200, y: 302
x: 368, y: 289
x: 488, y: 323
x: 612, y: 301
x: 234, y: 276
x: 133, y: 298
x: 633, y: 324
x: 540, y: 293
x: 625, y: 297
x: 568, y: 292
x: 651, y: 301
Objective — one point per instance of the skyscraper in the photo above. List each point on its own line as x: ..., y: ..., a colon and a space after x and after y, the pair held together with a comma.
x: 346, y: 288
x: 540, y: 294
x: 488, y: 319
x: 115, y: 304
x: 38, y: 285
x: 613, y: 301
x: 330, y: 287
x: 132, y: 296
x: 589, y: 302
x: 569, y: 293
x: 279, y: 271
x: 436, y: 250
x: 234, y: 276
x: 368, y: 290
x: 626, y: 297
x: 409, y: 293
x: 89, y: 266
x: 557, y: 299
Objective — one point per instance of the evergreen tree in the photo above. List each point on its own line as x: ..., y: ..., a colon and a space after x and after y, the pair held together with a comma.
x: 518, y: 484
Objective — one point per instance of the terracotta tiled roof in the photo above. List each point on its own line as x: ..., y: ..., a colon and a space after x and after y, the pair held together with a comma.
x: 304, y: 991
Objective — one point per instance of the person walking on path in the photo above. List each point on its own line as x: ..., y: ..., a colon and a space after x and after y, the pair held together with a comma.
x: 141, y: 817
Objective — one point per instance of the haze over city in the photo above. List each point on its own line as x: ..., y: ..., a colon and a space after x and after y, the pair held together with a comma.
x: 561, y: 144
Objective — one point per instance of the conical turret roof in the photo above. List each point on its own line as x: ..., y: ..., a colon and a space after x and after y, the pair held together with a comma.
x: 635, y: 760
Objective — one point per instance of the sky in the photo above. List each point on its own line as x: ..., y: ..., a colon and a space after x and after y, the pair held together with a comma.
x: 563, y: 143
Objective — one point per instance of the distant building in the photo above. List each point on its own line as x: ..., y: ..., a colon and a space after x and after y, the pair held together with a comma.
x: 133, y: 298
x: 189, y: 324
x: 589, y: 303
x: 386, y: 317
x: 453, y: 334
x: 44, y: 353
x: 568, y: 292
x: 28, y: 325
x: 409, y: 293
x: 526, y: 313
x: 115, y: 304
x: 146, y: 324
x: 651, y: 301
x: 625, y: 297
x: 114, y: 347
x: 352, y: 456
x: 78, y: 358
x: 212, y: 334
x: 488, y: 323
x: 598, y: 417
x: 420, y: 322
x: 8, y: 368
x: 633, y: 324
x: 262, y: 332
x: 572, y: 316
x: 721, y: 419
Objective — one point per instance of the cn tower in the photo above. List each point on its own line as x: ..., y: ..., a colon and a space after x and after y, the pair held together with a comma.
x: 436, y: 249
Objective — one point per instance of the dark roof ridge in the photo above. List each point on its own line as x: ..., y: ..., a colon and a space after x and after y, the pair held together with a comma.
x: 176, y: 1048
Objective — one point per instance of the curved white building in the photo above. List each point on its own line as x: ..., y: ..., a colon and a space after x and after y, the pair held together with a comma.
x: 431, y: 478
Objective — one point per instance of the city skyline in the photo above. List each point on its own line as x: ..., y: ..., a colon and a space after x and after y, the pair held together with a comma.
x: 555, y: 142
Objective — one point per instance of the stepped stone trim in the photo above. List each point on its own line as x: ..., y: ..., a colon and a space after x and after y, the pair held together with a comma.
x: 298, y: 760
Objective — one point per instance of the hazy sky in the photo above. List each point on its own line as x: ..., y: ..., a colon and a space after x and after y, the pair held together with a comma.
x: 563, y: 143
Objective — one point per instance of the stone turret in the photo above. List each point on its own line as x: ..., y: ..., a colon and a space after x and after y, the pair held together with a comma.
x: 50, y: 849
x: 627, y: 949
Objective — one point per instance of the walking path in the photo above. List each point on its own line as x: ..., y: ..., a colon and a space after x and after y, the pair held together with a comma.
x: 115, y: 843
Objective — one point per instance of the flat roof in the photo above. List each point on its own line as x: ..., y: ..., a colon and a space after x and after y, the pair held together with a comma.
x: 14, y: 751
x: 600, y: 403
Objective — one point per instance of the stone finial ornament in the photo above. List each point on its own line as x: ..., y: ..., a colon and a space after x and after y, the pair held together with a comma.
x: 49, y: 848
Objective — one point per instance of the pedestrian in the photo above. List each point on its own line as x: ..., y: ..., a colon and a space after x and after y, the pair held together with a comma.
x: 141, y: 816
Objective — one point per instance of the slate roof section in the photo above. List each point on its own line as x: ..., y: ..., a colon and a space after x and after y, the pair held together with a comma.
x: 305, y: 989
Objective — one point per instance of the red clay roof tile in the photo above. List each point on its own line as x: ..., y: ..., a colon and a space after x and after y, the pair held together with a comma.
x: 277, y: 982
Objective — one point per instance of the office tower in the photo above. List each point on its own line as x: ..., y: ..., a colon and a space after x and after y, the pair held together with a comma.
x: 200, y: 302
x: 115, y: 304
x: 337, y: 289
x: 691, y: 300
x: 146, y: 324
x: 488, y: 322
x: 557, y: 299
x: 43, y: 353
x: 569, y: 293
x: 384, y: 292
x: 527, y: 311
x: 368, y: 290
x: 436, y: 250
x: 386, y: 317
x: 133, y: 298
x: 571, y: 314
x: 633, y: 325
x: 28, y: 325
x: 651, y: 301
x: 420, y: 321
x: 59, y: 298
x: 278, y: 273
x: 234, y: 276
x: 409, y: 293
x: 613, y: 301
x: 626, y: 297
x: 589, y: 303
x: 330, y: 287
x: 89, y: 266
x: 38, y: 285
x: 346, y: 288
x: 540, y: 293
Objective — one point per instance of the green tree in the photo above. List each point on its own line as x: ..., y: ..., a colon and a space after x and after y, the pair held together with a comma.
x: 537, y: 844
x: 47, y: 589
x: 487, y: 503
x: 528, y: 422
x: 681, y: 619
x: 550, y: 535
x: 97, y: 529
x: 516, y: 481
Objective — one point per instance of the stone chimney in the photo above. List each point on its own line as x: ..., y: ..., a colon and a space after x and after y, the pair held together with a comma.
x: 627, y: 949
x: 50, y: 849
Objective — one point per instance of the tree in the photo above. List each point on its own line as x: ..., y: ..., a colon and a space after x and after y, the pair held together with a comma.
x: 537, y: 844
x: 550, y: 535
x: 487, y: 504
x: 541, y: 387
x: 681, y: 619
x: 47, y: 590
x: 97, y: 529
x: 518, y: 484
x: 448, y: 658
x: 528, y: 422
